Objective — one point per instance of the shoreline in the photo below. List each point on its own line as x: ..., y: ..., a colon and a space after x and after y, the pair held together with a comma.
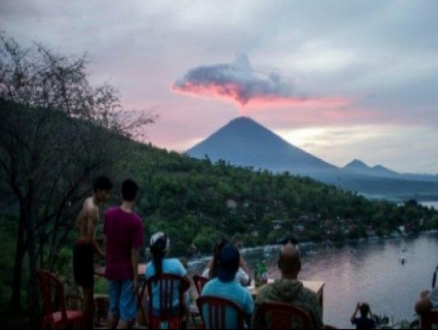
x: 268, y: 248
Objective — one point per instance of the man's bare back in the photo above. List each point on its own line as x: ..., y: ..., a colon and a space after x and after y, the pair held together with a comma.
x: 86, y: 246
x: 87, y: 220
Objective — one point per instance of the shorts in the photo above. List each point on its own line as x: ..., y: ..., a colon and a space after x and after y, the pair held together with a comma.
x: 83, y: 265
x: 122, y: 299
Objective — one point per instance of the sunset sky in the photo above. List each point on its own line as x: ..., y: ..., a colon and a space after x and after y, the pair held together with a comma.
x: 339, y: 79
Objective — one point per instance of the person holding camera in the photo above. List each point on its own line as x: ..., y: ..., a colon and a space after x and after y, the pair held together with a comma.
x: 363, y: 322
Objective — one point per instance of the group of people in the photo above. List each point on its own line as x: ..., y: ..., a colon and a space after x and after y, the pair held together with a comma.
x: 227, y: 272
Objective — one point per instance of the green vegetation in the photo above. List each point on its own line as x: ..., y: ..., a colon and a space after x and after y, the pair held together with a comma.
x: 196, y: 202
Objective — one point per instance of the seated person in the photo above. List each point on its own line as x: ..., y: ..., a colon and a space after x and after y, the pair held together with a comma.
x: 211, y: 270
x: 288, y: 289
x: 225, y: 286
x: 159, y: 246
x: 363, y: 322
x: 428, y: 301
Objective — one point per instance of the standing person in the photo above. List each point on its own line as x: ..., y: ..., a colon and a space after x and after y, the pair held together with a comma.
x: 363, y: 322
x: 123, y: 235
x: 86, y: 245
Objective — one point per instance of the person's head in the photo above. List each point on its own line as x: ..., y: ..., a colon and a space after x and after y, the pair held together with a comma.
x: 216, y: 250
x: 159, y: 246
x: 364, y: 309
x: 289, y: 261
x: 129, y: 190
x: 219, y: 246
x: 102, y: 188
x: 289, y: 239
x: 229, y: 260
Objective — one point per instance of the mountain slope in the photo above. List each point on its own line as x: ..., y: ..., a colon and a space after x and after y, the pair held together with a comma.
x: 246, y: 143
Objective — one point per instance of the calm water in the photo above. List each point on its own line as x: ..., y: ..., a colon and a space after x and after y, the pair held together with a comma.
x: 430, y: 204
x: 369, y: 272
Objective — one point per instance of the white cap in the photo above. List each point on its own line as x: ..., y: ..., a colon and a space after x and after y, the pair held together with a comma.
x: 155, y: 237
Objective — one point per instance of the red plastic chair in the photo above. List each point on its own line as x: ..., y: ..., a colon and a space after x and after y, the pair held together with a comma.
x: 214, y: 311
x: 167, y: 314
x: 56, y: 313
x: 276, y: 315
x: 74, y: 302
x: 199, y: 281
x: 429, y: 319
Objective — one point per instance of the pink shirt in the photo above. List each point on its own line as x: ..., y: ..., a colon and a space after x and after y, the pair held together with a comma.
x: 123, y: 231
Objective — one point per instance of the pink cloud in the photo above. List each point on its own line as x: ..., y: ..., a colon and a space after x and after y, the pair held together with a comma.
x: 240, y: 84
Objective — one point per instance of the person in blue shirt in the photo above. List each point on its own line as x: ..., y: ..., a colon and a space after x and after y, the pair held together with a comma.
x: 225, y: 286
x: 363, y: 322
x: 159, y: 246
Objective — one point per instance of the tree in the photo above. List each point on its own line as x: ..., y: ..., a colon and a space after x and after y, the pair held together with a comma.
x: 56, y: 133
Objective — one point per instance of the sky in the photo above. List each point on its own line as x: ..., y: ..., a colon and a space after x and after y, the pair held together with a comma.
x: 342, y: 80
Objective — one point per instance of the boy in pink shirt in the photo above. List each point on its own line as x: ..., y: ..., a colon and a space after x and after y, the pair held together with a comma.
x: 123, y: 233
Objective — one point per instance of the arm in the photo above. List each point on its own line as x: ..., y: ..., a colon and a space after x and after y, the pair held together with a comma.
x: 92, y: 218
x: 134, y: 263
x: 255, y: 321
x: 248, y: 309
x: 245, y: 267
x: 355, y: 313
x: 186, y: 283
x: 243, y: 277
x: 372, y: 317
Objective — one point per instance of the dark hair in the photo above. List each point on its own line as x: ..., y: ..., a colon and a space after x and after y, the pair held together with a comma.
x: 102, y: 183
x: 158, y: 250
x: 129, y: 190
x: 289, y: 239
x: 215, y: 264
x: 364, y: 310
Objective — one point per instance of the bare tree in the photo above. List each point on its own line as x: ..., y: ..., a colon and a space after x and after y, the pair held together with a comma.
x: 56, y: 133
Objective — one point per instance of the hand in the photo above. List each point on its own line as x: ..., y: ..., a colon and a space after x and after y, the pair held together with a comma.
x: 135, y: 286
x: 424, y: 294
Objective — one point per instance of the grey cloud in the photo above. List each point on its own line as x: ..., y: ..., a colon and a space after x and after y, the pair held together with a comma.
x: 238, y: 81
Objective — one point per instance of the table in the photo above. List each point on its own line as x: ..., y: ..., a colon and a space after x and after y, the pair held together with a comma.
x: 315, y: 286
x: 99, y: 270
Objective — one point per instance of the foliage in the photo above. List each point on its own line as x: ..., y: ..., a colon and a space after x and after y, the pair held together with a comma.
x: 57, y: 132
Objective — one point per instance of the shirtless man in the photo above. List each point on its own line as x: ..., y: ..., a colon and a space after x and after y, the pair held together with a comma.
x: 86, y: 245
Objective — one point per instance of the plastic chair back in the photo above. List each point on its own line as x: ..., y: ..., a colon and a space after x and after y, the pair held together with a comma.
x: 276, y: 315
x: 56, y: 313
x: 214, y: 312
x: 164, y: 285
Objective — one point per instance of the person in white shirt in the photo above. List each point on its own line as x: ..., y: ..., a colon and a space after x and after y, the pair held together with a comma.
x: 242, y: 275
